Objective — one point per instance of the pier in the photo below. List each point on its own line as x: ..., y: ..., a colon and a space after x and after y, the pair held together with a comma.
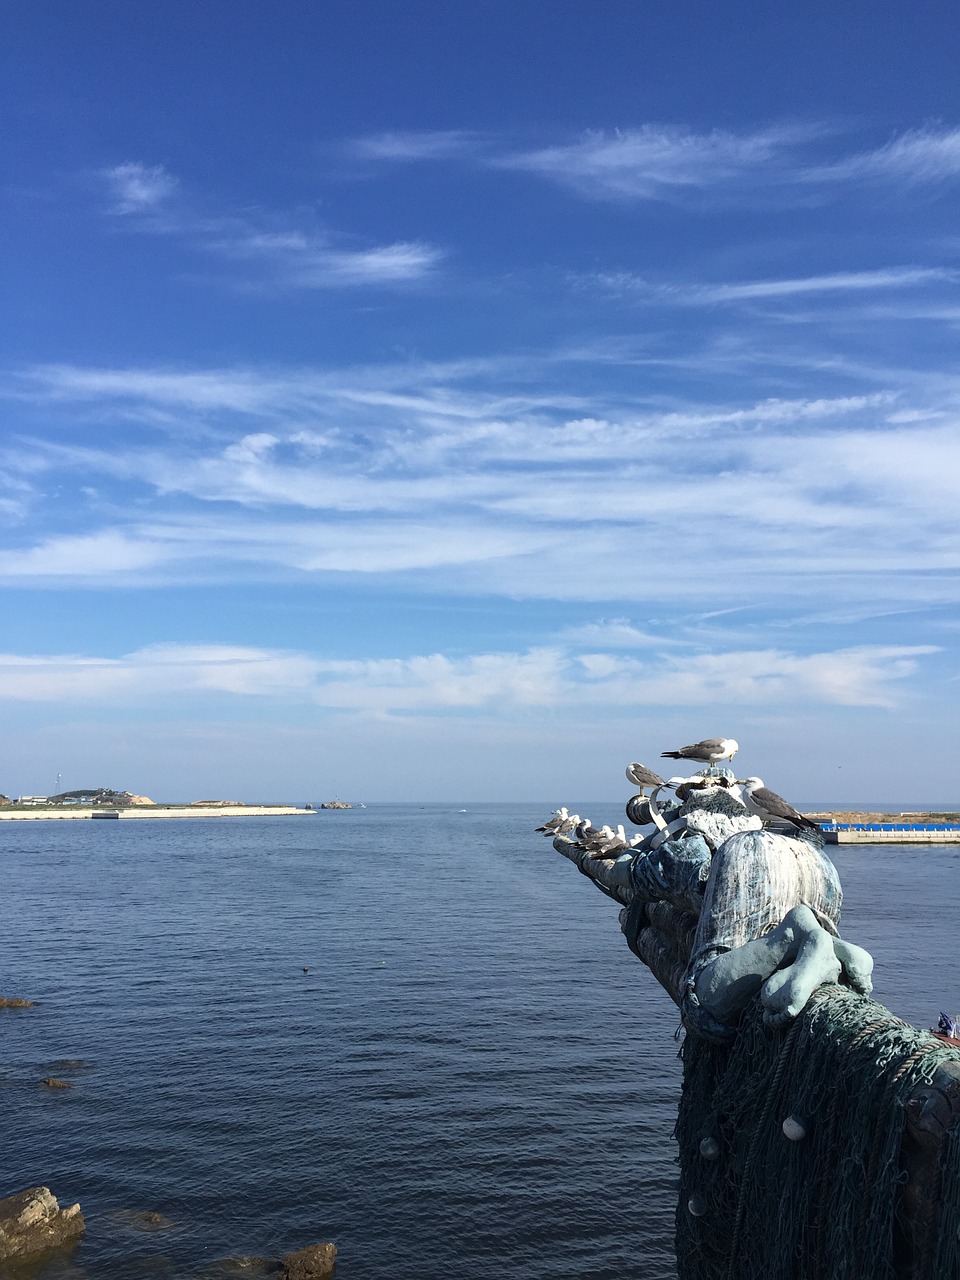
x: 891, y: 832
x: 68, y: 812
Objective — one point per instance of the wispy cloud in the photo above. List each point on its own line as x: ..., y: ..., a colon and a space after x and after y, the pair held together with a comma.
x: 139, y: 188
x: 613, y: 633
x: 398, y: 470
x: 409, y: 146
x: 885, y: 278
x: 284, y: 251
x: 554, y: 678
x: 661, y: 162
x: 674, y: 163
x: 917, y: 157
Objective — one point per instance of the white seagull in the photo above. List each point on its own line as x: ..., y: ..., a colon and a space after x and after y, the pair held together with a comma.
x: 641, y: 776
x: 709, y: 751
x: 767, y: 804
x: 554, y: 823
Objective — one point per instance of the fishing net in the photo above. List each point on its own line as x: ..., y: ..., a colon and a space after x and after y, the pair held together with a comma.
x: 755, y: 1205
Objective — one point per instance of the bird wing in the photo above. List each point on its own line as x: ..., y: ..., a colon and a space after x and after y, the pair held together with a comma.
x: 775, y: 804
x: 642, y: 776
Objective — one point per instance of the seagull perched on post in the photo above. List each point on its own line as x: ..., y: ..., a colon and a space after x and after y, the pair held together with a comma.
x: 641, y: 776
x: 709, y: 751
x: 767, y: 804
x: 559, y: 824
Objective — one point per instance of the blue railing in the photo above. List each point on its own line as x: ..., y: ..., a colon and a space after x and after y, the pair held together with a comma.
x: 889, y: 826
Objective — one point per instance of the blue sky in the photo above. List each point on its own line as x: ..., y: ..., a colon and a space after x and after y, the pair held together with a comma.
x: 457, y: 401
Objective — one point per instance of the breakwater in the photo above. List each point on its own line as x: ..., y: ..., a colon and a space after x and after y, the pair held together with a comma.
x: 154, y: 811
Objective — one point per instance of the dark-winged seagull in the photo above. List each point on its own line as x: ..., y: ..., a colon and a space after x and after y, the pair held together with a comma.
x: 767, y: 804
x: 587, y: 834
x: 641, y: 776
x: 709, y: 751
x: 561, y: 824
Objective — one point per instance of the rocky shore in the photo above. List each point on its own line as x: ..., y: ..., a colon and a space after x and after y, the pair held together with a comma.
x: 32, y: 1224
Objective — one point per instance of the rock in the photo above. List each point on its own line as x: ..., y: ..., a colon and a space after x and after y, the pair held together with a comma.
x: 52, y: 1082
x: 314, y: 1262
x: 143, y: 1219
x: 14, y: 1002
x: 247, y: 1266
x: 32, y: 1221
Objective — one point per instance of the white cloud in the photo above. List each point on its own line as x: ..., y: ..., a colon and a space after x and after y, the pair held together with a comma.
x: 617, y: 633
x: 159, y: 670
x: 139, y: 188
x: 279, y: 250
x: 98, y: 555
x: 917, y: 156
x: 383, y: 265
x: 661, y: 162
x: 669, y: 162
x: 208, y: 549
x: 556, y: 679
x: 311, y: 259
x: 757, y: 290
x: 405, y: 470
x: 427, y: 144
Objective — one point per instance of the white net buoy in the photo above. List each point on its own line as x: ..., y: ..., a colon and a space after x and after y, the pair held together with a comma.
x: 794, y: 1129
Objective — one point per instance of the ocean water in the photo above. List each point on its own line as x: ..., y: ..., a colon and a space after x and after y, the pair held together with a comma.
x: 473, y: 1079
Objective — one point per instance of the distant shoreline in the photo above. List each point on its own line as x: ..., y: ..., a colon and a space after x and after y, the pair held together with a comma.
x: 58, y: 813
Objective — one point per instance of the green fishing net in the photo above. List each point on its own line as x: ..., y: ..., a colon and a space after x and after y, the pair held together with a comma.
x: 756, y: 1205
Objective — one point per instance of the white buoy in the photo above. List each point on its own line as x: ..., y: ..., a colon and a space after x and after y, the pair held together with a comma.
x: 696, y: 1206
x: 710, y: 1149
x: 794, y: 1129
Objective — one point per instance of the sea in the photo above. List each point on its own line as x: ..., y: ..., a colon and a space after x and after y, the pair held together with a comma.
x: 413, y: 1030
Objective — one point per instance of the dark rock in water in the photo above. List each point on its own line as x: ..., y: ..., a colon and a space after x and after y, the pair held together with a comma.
x: 14, y: 1002
x: 142, y: 1219
x: 32, y: 1221
x: 315, y: 1262
x: 52, y: 1082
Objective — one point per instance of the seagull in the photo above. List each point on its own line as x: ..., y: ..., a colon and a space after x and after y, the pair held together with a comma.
x: 588, y: 835
x: 767, y: 804
x: 709, y: 751
x: 617, y: 840
x: 641, y: 776
x: 608, y: 844
x: 555, y: 824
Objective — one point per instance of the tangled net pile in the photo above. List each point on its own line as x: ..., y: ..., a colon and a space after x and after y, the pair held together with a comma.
x: 755, y: 1205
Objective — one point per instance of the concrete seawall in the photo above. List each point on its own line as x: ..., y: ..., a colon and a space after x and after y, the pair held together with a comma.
x: 153, y: 811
